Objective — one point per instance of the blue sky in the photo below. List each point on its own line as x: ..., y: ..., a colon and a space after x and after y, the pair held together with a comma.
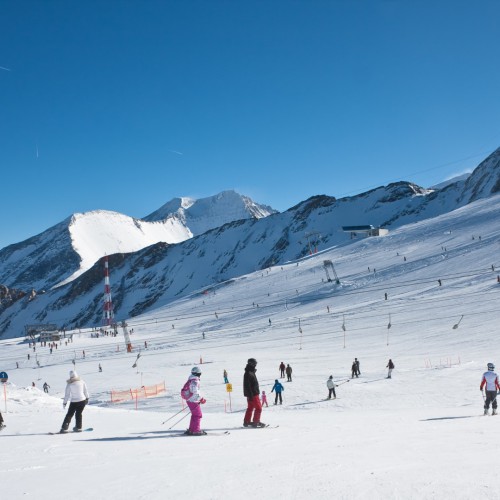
x: 123, y: 105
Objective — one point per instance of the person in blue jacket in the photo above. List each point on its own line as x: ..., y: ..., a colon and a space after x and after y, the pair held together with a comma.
x: 278, y: 389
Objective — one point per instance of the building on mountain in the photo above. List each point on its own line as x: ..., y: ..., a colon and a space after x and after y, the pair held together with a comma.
x: 366, y: 230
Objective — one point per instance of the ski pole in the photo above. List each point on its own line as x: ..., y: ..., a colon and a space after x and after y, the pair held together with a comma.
x: 183, y: 417
x: 170, y: 418
x: 344, y: 382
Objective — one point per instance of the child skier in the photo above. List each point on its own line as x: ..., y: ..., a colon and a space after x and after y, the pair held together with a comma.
x: 263, y: 398
x: 490, y: 380
x: 278, y: 388
x: 191, y: 393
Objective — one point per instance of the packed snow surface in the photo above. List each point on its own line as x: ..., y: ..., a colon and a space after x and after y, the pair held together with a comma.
x: 418, y: 435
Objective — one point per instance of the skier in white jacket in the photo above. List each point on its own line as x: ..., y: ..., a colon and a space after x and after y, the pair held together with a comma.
x: 331, y: 387
x: 78, y: 396
x: 490, y: 380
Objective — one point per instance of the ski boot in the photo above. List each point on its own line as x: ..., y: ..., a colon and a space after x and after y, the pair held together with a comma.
x: 486, y: 412
x: 77, y: 429
x: 258, y: 424
x: 247, y: 424
x: 494, y: 412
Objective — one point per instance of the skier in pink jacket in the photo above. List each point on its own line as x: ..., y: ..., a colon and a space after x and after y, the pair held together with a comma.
x: 194, y: 401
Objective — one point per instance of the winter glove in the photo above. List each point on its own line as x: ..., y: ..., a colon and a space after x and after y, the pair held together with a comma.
x: 87, y: 401
x: 203, y: 401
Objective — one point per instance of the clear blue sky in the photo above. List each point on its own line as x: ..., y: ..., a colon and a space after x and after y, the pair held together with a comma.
x: 123, y: 105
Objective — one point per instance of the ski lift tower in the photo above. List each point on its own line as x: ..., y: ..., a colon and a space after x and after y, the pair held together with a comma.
x: 107, y: 313
x: 328, y: 265
x: 309, y: 235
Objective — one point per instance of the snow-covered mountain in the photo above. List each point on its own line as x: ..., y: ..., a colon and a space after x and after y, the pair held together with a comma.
x: 153, y: 276
x: 66, y: 250
x: 208, y: 213
x: 452, y: 180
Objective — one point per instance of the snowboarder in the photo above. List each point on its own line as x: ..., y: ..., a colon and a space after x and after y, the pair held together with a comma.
x: 46, y: 387
x: 2, y: 425
x: 358, y: 371
x: 354, y: 370
x: 331, y: 387
x: 251, y: 392
x: 490, y: 380
x: 78, y: 396
x: 263, y: 399
x: 194, y: 400
x: 390, y: 365
x: 282, y: 370
x: 224, y: 374
x: 288, y: 373
x: 278, y: 389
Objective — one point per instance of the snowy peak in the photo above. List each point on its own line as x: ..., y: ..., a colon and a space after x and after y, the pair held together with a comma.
x: 209, y: 213
x: 68, y: 249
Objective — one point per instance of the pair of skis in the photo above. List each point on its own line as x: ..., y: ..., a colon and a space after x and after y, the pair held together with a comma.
x: 88, y: 429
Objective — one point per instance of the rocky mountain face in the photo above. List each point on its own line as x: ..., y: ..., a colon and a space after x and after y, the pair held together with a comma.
x: 159, y: 273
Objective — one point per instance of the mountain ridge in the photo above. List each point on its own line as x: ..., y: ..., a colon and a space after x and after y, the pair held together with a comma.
x: 161, y: 272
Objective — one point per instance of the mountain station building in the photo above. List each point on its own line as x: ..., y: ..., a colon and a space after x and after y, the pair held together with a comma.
x: 367, y: 230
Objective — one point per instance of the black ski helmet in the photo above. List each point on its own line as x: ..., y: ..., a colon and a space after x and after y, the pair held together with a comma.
x: 252, y: 362
x: 491, y: 367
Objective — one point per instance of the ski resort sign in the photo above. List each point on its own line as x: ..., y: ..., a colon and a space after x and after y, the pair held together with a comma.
x: 3, y: 377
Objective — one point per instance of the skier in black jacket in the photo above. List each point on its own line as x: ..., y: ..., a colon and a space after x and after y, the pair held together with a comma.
x: 252, y: 393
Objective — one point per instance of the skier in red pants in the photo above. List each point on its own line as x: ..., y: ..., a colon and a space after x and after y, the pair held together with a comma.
x: 252, y: 393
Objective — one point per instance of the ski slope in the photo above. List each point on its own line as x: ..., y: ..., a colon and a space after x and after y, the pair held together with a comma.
x: 419, y: 435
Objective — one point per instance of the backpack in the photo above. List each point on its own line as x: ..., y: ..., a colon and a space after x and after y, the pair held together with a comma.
x: 186, y: 391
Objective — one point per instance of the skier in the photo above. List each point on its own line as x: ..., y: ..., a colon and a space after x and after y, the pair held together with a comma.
x: 263, y: 399
x: 251, y: 392
x: 194, y: 401
x: 390, y: 365
x: 224, y: 374
x: 100, y: 368
x: 354, y: 370
x: 46, y: 387
x: 358, y: 372
x: 331, y: 387
x: 278, y: 389
x: 78, y: 396
x: 490, y: 379
x: 2, y: 425
x: 288, y: 373
x: 282, y: 370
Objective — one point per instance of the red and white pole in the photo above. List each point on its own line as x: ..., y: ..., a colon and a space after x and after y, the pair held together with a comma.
x: 107, y: 318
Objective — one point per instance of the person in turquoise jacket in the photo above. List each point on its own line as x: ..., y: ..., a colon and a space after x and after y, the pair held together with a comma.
x: 278, y: 389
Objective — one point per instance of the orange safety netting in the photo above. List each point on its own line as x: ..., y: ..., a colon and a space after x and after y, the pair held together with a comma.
x: 149, y: 391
